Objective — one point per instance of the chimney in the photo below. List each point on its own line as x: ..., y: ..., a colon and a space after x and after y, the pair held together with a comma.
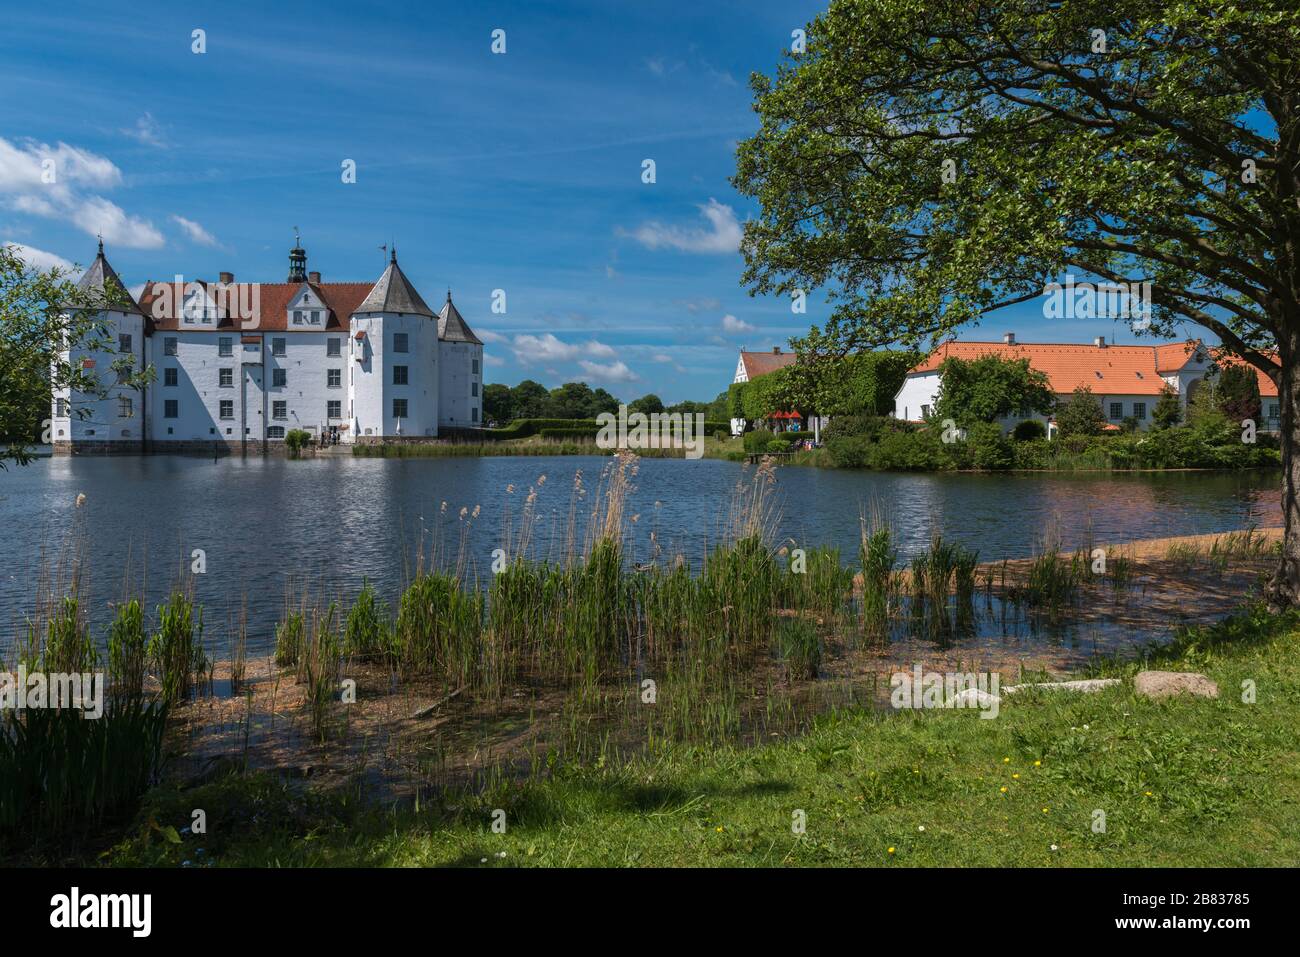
x: 313, y: 277
x: 1009, y: 338
x: 227, y: 277
x: 776, y: 350
x: 1100, y: 342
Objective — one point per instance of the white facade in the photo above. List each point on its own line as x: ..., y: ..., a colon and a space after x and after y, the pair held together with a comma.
x: 354, y: 361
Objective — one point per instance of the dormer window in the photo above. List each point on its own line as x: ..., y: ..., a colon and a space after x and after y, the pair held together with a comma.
x: 315, y: 317
x: 297, y: 317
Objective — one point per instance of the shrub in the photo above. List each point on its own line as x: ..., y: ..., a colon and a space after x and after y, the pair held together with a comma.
x: 1028, y: 430
x: 127, y: 650
x: 912, y: 451
x: 176, y: 649
x: 988, y: 448
x: 296, y: 440
x: 757, y: 440
x: 850, y: 451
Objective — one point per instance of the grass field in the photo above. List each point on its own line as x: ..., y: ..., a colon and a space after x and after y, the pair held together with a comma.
x: 1185, y: 782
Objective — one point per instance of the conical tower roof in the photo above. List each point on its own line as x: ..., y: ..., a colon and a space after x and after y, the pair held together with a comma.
x: 394, y: 293
x: 101, y: 280
x: 452, y: 326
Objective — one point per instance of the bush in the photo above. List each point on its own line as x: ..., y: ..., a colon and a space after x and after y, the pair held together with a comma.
x: 988, y: 447
x: 756, y: 441
x: 1029, y: 430
x: 849, y: 452
x: 912, y: 451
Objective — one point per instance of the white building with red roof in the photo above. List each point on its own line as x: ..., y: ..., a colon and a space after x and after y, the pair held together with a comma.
x: 1127, y: 380
x: 239, y: 365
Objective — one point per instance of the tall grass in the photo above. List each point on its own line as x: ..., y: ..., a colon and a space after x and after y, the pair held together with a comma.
x: 176, y: 648
x: 127, y: 650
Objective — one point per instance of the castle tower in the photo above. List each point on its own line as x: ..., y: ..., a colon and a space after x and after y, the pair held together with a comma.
x: 297, y: 261
x: 460, y: 371
x: 394, y: 352
x: 117, y: 421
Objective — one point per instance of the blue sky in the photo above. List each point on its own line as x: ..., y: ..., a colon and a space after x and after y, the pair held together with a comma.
x: 519, y: 171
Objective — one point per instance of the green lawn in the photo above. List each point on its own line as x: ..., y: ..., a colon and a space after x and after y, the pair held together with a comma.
x: 1183, y: 782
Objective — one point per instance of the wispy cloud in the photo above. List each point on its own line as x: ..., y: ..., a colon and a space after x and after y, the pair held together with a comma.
x: 731, y: 324
x: 721, y: 235
x: 529, y: 349
x: 146, y: 131
x: 195, y: 232
x: 611, y: 372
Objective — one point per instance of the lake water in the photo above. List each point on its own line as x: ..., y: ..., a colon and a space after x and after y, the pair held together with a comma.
x: 329, y: 523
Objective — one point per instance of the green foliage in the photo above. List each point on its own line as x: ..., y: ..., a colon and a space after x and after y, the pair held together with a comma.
x: 757, y: 440
x: 1081, y: 414
x: 1168, y: 411
x: 295, y: 440
x: 988, y: 448
x: 990, y: 388
x: 63, y: 776
x: 127, y: 650
x: 1237, y: 393
x: 368, y: 631
x: 1029, y: 430
x: 176, y: 648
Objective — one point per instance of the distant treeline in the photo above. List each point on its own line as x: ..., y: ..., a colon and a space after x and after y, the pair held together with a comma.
x: 503, y: 404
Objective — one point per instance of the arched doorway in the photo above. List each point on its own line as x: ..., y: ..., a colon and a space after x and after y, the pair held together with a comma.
x: 1193, y: 387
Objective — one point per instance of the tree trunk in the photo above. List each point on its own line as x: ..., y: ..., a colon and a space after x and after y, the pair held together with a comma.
x: 1283, y: 591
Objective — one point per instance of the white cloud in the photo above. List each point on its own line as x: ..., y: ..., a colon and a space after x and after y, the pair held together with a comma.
x: 613, y: 372
x: 547, y: 348
x: 487, y: 335
x: 492, y: 360
x: 722, y: 235
x: 731, y: 324
x: 58, y: 182
x: 147, y: 131
x: 38, y: 258
x: 195, y: 232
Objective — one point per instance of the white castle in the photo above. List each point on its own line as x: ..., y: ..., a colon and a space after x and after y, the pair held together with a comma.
x: 240, y: 365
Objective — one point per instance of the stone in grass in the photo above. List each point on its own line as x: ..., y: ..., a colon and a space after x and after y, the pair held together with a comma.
x: 1165, y: 684
x: 1085, y: 685
x: 972, y: 698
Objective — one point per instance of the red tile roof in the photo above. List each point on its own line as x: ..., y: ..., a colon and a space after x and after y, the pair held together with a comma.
x: 761, y: 363
x: 273, y: 298
x: 1109, y: 370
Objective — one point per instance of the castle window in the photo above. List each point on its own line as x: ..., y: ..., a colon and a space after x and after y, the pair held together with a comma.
x: 226, y: 378
x: 297, y: 317
x: 333, y: 347
x: 401, y: 375
x: 475, y: 366
x: 277, y: 346
x: 171, y: 409
x: 225, y: 346
x: 315, y: 317
x: 279, y: 377
x: 124, y: 408
x: 334, y: 378
x: 227, y: 408
x: 169, y: 377
x: 334, y: 409
x: 275, y: 432
x: 279, y: 410
x: 399, y: 408
x: 473, y: 414
x: 399, y: 342
x: 473, y: 388
x: 169, y: 346
x: 124, y: 342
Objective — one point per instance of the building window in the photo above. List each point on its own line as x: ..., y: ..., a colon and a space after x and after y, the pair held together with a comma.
x: 169, y: 346
x: 475, y: 367
x: 315, y: 317
x: 1139, y: 410
x: 399, y: 408
x: 399, y: 341
x: 124, y: 342
x: 400, y: 375
x: 297, y: 317
x: 334, y: 409
x: 1116, y: 411
x: 61, y: 408
x: 333, y: 347
x: 169, y: 377
x: 1272, y: 410
x: 334, y: 378
x: 171, y: 409
x: 279, y: 377
x: 925, y: 410
x: 277, y: 346
x: 473, y: 414
x: 227, y: 408
x: 124, y: 408
x: 275, y: 431
x: 473, y: 388
x: 279, y: 410
x: 225, y: 346
x: 226, y: 378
